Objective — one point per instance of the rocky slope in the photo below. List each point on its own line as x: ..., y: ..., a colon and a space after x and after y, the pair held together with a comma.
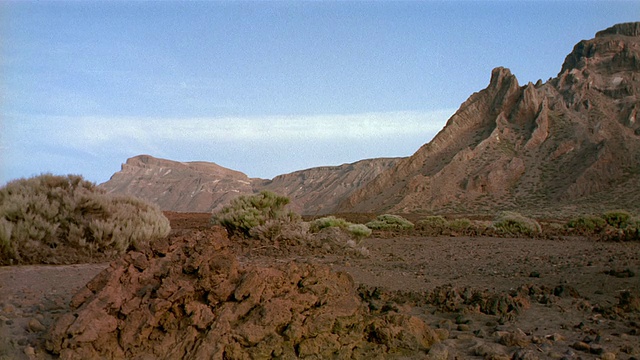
x: 206, y: 187
x: 178, y: 186
x: 317, y: 191
x: 569, y: 144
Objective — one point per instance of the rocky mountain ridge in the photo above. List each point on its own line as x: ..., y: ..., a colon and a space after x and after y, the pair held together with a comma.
x: 572, y: 143
x: 206, y: 187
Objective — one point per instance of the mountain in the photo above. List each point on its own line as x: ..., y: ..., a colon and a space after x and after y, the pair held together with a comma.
x: 179, y: 186
x: 319, y: 190
x: 206, y: 187
x: 571, y: 144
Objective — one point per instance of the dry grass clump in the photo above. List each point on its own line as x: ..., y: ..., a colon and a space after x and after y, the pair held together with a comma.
x: 66, y: 219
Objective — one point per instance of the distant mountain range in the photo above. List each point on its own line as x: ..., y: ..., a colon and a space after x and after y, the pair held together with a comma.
x: 568, y: 145
x: 207, y: 187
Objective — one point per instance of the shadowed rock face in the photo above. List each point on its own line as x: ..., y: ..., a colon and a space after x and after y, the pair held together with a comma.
x: 207, y: 187
x: 187, y: 297
x: 570, y: 143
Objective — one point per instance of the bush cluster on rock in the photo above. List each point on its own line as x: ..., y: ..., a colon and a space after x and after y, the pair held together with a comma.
x: 66, y: 219
x: 248, y: 211
x: 264, y: 225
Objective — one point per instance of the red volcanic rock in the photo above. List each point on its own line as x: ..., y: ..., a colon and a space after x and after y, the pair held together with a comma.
x: 187, y: 297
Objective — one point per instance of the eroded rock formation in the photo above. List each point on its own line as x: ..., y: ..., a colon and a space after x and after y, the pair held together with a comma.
x: 187, y: 297
x: 572, y: 141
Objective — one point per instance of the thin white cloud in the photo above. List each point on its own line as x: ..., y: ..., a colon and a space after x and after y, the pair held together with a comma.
x: 97, y: 131
x: 259, y: 146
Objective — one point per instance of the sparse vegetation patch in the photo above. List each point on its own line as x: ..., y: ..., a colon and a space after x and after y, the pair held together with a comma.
x: 514, y: 224
x: 66, y: 219
x: 247, y: 212
x: 587, y: 224
x: 390, y: 222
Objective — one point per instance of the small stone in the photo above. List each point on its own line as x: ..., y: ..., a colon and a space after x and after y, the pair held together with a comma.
x: 30, y: 351
x: 443, y: 334
x: 8, y: 309
x: 36, y: 326
x: 446, y: 324
x: 464, y: 327
x: 438, y: 351
x: 462, y: 320
x: 523, y: 354
x: 534, y: 274
x: 555, y: 337
x: 581, y: 346
x: 596, y: 350
x: 608, y: 356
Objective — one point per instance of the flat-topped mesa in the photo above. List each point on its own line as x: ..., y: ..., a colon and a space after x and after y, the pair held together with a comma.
x: 625, y: 29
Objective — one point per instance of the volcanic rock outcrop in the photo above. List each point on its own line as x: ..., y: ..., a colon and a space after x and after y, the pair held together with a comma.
x: 572, y: 143
x: 207, y: 187
x: 187, y: 297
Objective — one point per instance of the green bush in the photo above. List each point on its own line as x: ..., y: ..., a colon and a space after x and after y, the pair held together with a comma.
x: 432, y: 225
x: 358, y: 231
x: 617, y: 218
x: 248, y: 211
x: 51, y: 219
x: 327, y: 222
x: 514, y: 224
x: 459, y: 225
x: 432, y: 222
x: 390, y: 222
x: 587, y: 224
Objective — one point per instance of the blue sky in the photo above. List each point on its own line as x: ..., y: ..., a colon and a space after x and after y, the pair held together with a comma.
x: 265, y: 88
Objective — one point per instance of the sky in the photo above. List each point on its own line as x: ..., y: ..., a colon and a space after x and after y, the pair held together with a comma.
x: 262, y: 87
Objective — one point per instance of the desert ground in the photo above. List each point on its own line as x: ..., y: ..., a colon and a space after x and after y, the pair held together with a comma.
x: 563, y: 298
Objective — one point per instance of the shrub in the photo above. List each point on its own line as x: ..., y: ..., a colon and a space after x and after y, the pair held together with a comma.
x: 390, y: 222
x: 459, y: 225
x: 617, y: 218
x: 432, y: 225
x: 358, y: 231
x: 327, y: 222
x: 515, y: 224
x: 248, y: 211
x: 355, y: 231
x: 51, y: 219
x: 587, y: 224
x: 432, y: 222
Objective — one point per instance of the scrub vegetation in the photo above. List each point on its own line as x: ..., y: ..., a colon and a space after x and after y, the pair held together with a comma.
x: 66, y: 219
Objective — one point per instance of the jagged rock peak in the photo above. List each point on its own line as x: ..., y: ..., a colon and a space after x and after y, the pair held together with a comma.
x: 499, y: 75
x: 626, y: 29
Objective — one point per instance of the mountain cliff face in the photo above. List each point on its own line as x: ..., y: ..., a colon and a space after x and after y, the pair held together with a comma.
x: 207, y: 187
x: 570, y: 143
